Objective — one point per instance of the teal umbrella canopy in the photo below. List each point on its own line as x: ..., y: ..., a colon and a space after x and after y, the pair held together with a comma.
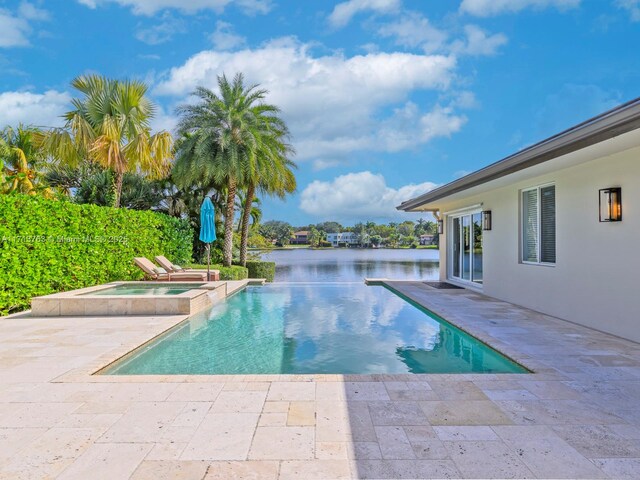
x: 207, y: 222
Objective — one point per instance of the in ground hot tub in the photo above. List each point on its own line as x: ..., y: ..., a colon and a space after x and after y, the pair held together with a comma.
x: 131, y: 298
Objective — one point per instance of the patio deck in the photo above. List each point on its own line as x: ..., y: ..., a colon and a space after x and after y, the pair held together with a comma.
x: 577, y: 416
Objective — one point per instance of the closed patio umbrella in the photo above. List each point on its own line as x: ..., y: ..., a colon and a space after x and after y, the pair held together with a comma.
x: 207, y: 230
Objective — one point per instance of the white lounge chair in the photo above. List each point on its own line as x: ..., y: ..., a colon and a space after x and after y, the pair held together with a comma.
x: 153, y: 272
x: 165, y: 263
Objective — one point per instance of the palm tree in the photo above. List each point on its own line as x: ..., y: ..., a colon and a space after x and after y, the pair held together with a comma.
x: 110, y: 125
x: 273, y: 175
x: 224, y: 141
x: 255, y: 211
x: 271, y: 171
x: 20, y: 159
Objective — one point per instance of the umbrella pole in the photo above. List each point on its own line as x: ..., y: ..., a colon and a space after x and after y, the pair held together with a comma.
x: 208, y: 262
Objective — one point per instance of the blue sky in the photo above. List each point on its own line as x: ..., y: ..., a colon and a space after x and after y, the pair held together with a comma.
x: 385, y: 98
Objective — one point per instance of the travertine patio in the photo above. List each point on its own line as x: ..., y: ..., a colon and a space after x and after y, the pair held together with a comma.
x: 578, y: 416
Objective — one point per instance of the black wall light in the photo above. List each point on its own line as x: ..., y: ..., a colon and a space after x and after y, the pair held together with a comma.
x: 611, y: 204
x: 440, y: 227
x: 486, y: 220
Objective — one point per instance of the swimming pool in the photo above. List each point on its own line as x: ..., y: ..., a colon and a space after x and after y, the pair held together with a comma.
x: 147, y: 289
x: 314, y: 328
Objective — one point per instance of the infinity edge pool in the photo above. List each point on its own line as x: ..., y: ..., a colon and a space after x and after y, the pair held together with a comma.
x: 408, y: 352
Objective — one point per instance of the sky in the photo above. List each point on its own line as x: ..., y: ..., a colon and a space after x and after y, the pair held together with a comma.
x: 385, y: 99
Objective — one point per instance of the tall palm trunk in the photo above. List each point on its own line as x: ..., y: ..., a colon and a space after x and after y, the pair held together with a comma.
x: 246, y: 214
x: 117, y: 188
x: 228, y: 224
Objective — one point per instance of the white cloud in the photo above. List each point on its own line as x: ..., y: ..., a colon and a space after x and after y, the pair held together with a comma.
x: 335, y: 105
x: 150, y: 7
x: 488, y: 8
x: 407, y: 128
x: 361, y: 195
x: 162, y: 32
x: 631, y: 6
x: 224, y: 37
x: 14, y: 31
x: 30, y: 12
x: 40, y: 109
x: 15, y: 28
x: 345, y: 11
x: 478, y: 42
x: 415, y: 30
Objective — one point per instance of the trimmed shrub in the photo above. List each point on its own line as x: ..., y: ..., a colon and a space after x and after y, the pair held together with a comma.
x: 262, y: 270
x: 49, y: 246
x: 234, y: 272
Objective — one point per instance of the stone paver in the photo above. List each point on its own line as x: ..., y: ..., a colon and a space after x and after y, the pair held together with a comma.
x: 577, y: 416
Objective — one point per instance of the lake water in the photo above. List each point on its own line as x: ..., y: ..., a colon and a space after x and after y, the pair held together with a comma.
x: 352, y: 265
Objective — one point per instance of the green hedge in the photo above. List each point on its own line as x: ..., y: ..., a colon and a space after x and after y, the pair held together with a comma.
x: 262, y: 270
x: 49, y: 246
x: 234, y: 272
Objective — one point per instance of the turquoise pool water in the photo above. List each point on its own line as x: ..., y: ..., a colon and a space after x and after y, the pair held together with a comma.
x: 147, y: 289
x: 314, y: 328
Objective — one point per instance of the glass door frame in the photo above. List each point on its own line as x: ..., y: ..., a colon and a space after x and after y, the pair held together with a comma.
x: 451, y: 239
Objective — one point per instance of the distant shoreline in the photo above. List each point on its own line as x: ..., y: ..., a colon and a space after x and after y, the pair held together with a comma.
x: 307, y: 247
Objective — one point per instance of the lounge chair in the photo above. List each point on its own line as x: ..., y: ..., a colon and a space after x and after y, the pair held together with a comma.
x: 154, y: 273
x: 172, y: 268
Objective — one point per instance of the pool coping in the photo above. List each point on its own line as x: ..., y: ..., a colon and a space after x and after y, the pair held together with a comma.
x: 81, y: 302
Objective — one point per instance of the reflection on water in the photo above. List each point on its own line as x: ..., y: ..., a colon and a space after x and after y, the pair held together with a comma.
x: 345, y: 265
x: 315, y: 328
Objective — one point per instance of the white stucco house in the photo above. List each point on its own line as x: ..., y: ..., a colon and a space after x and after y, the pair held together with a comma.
x: 554, y: 227
x: 345, y: 239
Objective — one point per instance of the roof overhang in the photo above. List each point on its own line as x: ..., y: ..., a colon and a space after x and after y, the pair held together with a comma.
x: 622, y: 119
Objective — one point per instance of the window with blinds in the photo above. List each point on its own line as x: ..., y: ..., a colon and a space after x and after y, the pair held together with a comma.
x: 539, y: 225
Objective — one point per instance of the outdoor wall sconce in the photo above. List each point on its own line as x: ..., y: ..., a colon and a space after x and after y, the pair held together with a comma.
x: 611, y: 204
x: 440, y: 227
x: 486, y: 220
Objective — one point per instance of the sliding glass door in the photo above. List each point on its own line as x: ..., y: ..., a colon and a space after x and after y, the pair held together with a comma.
x: 465, y: 247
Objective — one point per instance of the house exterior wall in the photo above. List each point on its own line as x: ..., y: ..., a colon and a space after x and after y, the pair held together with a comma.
x: 348, y: 238
x: 595, y: 281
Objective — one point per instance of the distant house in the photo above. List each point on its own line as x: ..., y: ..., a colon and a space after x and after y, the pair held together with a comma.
x: 300, y: 238
x: 342, y: 239
x: 554, y: 227
x: 426, y: 239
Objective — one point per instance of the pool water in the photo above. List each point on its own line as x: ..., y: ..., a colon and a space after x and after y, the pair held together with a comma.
x: 314, y: 328
x: 147, y: 289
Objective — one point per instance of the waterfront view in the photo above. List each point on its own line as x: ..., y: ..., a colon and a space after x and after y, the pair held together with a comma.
x: 353, y: 265
x: 321, y: 240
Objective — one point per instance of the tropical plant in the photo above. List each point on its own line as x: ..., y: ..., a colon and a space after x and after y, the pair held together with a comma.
x: 273, y: 175
x: 110, y: 125
x: 21, y: 159
x: 277, y: 231
x: 315, y: 236
x: 270, y: 169
x: 190, y: 189
x: 329, y: 227
x: 255, y: 213
x: 231, y: 140
x: 138, y: 193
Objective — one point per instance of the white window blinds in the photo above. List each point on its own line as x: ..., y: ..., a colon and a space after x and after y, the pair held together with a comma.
x: 548, y: 224
x: 539, y: 225
x: 530, y: 225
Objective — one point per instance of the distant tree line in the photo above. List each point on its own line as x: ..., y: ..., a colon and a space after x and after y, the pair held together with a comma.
x: 368, y: 234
